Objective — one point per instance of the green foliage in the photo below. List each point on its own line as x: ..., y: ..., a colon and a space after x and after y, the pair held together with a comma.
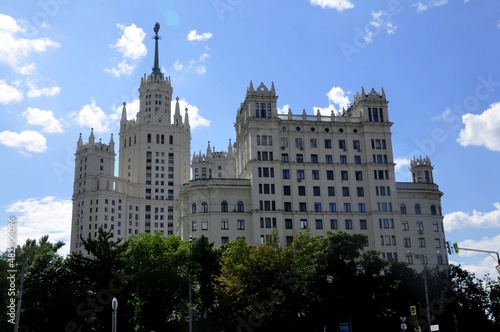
x: 311, y: 285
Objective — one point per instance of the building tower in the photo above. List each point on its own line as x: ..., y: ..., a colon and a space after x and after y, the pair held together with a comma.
x: 154, y: 161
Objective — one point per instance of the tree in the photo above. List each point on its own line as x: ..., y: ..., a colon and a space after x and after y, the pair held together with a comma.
x: 159, y: 281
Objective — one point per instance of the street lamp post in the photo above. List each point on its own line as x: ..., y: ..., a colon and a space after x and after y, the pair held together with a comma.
x: 190, y: 290
x: 426, y: 289
x: 114, y: 306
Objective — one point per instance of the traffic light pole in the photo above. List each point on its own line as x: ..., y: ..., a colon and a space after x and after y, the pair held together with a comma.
x: 488, y: 252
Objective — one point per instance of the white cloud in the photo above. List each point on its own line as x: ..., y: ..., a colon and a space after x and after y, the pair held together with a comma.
x: 131, y: 47
x: 401, y: 169
x: 198, y: 65
x: 284, y: 109
x: 38, y: 217
x: 195, y: 37
x: 92, y: 116
x: 422, y: 6
x: 381, y: 20
x: 337, y: 100
x: 477, y: 262
x: 482, y: 129
x: 14, y: 50
x: 28, y: 140
x: 338, y: 5
x: 46, y: 119
x: 36, y: 92
x: 195, y: 119
x: 474, y: 219
x: 132, y: 108
x: 9, y: 93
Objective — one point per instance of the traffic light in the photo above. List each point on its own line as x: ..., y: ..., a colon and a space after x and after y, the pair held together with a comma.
x: 413, y: 310
x: 456, y: 248
x: 448, y: 248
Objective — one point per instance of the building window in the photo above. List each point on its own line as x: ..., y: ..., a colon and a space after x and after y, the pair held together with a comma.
x: 433, y: 210
x: 204, y: 207
x: 302, y: 190
x: 300, y: 157
x: 328, y: 159
x: 224, y: 224
x: 288, y: 224
x: 405, y: 226
x: 240, y: 224
x: 417, y: 209
x: 363, y: 224
x: 204, y: 225
x: 287, y: 206
x: 360, y: 191
x: 334, y: 224
x: 345, y: 191
x: 357, y: 160
x: 328, y: 143
x: 348, y: 224
x: 361, y: 207
x: 319, y: 223
x: 316, y: 191
x: 298, y: 143
x: 402, y: 208
x: 302, y: 207
x: 331, y: 191
x: 342, y: 145
x: 343, y: 159
x: 317, y: 206
x: 300, y: 174
x: 435, y: 227
x: 223, y: 206
x: 286, y: 191
x: 344, y: 176
x: 314, y: 158
x: 286, y: 174
x: 347, y: 207
x: 194, y: 226
x: 420, y: 226
x: 407, y: 242
x: 303, y: 223
x: 284, y: 157
x: 193, y: 208
x: 224, y: 240
x: 315, y: 174
x: 240, y: 207
x: 421, y: 242
x: 332, y: 207
x: 329, y: 175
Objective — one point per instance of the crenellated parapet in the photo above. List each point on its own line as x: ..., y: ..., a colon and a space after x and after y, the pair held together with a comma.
x: 93, y: 145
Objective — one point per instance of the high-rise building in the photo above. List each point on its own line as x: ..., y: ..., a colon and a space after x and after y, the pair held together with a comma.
x: 284, y: 174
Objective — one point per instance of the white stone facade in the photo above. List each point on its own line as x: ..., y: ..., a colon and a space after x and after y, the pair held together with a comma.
x: 288, y: 173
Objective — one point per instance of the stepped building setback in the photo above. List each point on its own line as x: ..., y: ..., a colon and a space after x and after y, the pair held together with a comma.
x: 288, y: 173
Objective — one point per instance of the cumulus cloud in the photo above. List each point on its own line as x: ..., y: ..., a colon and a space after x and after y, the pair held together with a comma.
x: 131, y: 47
x: 14, y: 50
x: 37, y: 217
x: 474, y: 219
x: 36, y: 92
x: 338, y: 5
x: 401, y: 169
x: 337, y: 100
x: 482, y: 129
x: 25, y: 141
x: 46, y: 119
x: 284, y: 109
x: 131, y: 108
x: 423, y: 6
x: 193, y: 36
x: 195, y: 119
x: 197, y: 65
x: 9, y: 93
x: 92, y: 116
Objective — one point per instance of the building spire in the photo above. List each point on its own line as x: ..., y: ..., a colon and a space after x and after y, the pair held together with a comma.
x: 156, y: 69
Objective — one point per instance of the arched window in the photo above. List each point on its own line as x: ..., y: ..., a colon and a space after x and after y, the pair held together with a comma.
x: 193, y: 208
x: 162, y: 139
x: 157, y: 139
x: 204, y: 207
x: 149, y: 138
x: 171, y: 139
x: 433, y: 210
x: 402, y: 208
x: 240, y: 207
x: 417, y: 209
x: 223, y: 206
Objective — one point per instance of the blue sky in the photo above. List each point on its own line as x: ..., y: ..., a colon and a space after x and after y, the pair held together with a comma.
x: 66, y: 67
